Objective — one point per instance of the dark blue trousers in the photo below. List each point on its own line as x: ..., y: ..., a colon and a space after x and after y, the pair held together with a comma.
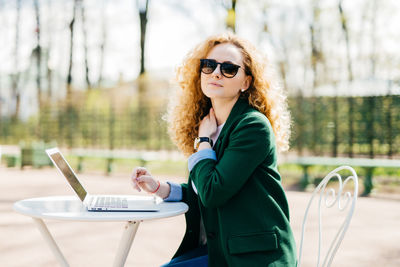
x: 194, y: 258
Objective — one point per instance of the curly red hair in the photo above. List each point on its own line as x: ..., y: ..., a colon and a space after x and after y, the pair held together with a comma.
x: 264, y: 94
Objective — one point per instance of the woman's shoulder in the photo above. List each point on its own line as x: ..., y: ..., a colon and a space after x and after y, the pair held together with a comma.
x: 252, y: 127
x: 254, y: 117
x: 252, y: 121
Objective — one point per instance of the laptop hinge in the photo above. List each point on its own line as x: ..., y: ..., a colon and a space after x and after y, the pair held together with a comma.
x: 88, y: 201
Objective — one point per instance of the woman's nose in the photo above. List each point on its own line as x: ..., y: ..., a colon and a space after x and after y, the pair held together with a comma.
x: 217, y: 72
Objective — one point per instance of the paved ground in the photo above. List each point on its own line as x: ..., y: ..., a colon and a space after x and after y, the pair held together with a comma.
x: 372, y: 239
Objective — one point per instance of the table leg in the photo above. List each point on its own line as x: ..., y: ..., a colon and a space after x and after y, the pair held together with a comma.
x: 126, y: 242
x: 50, y: 241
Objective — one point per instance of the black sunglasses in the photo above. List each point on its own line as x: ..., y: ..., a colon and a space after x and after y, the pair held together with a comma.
x: 208, y: 66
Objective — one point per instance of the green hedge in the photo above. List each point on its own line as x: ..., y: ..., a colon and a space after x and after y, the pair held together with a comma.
x: 95, y: 123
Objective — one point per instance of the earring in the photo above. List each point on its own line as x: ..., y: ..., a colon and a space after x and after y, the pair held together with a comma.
x: 242, y: 90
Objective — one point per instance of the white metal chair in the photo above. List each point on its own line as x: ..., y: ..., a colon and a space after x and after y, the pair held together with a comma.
x: 345, y: 202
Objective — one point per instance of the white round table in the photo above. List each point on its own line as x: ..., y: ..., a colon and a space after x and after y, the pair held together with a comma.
x: 70, y: 208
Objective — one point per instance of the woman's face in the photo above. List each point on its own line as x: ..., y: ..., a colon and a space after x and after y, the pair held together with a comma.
x: 217, y: 86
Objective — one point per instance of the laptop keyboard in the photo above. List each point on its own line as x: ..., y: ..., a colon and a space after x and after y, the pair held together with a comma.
x: 111, y: 202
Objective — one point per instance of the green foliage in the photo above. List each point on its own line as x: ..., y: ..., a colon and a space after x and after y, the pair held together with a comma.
x: 102, y: 120
x: 376, y: 127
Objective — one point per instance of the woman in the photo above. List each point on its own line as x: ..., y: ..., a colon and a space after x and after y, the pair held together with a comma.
x: 231, y: 120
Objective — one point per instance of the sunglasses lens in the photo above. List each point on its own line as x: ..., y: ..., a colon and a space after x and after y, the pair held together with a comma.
x: 208, y: 66
x: 229, y: 70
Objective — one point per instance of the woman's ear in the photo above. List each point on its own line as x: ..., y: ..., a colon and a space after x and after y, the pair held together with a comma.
x: 246, y: 83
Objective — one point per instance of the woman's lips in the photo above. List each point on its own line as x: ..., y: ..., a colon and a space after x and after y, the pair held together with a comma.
x: 216, y: 84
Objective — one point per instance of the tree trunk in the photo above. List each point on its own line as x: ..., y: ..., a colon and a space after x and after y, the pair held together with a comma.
x: 71, y: 43
x: 83, y: 17
x: 49, y: 72
x: 350, y: 99
x: 15, y: 77
x: 142, y: 80
x: 315, y: 58
x: 103, y: 44
x: 38, y: 55
x: 49, y: 75
x: 143, y: 26
x: 231, y: 17
x: 371, y: 100
x: 70, y: 111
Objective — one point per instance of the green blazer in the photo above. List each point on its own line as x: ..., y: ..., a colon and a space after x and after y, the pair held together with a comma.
x: 240, y: 197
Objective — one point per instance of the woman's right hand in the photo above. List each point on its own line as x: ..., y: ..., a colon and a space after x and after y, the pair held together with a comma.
x: 143, y: 180
x: 208, y: 125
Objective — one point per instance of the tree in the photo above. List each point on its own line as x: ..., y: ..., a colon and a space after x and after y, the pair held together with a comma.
x: 103, y: 43
x: 231, y: 17
x: 37, y: 51
x: 49, y: 45
x: 83, y: 18
x: 16, y: 94
x: 71, y: 111
x: 315, y: 59
x: 350, y: 100
x: 371, y: 100
x: 143, y: 9
x: 71, y: 50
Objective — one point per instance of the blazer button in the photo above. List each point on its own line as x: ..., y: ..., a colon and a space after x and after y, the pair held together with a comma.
x: 210, y: 235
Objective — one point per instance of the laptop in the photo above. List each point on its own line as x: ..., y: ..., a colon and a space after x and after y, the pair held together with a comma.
x: 100, y: 202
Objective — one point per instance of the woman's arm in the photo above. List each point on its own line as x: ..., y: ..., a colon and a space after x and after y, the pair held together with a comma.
x: 175, y: 193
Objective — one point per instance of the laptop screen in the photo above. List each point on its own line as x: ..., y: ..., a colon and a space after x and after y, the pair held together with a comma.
x: 63, y: 166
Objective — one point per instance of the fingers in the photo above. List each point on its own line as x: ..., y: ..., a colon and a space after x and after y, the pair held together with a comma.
x: 145, y: 179
x: 138, y: 171
x: 135, y: 184
x: 147, y: 182
x: 212, y: 115
x: 208, y: 125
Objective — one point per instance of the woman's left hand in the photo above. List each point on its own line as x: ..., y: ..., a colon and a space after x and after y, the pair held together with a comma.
x: 208, y: 124
x: 141, y: 178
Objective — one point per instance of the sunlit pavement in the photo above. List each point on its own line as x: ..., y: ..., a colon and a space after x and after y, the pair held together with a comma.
x: 372, y: 238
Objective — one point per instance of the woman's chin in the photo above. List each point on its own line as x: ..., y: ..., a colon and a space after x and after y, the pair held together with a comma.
x: 211, y: 94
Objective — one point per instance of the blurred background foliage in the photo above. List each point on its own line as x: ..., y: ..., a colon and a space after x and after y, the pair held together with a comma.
x: 92, y: 75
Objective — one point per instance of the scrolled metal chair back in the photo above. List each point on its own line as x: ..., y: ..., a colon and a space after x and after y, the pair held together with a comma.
x: 343, y: 200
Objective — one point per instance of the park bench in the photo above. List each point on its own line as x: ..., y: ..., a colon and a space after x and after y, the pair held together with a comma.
x: 29, y: 155
x: 366, y: 163
x: 35, y: 157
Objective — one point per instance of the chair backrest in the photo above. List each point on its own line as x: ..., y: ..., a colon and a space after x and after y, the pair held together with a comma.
x: 345, y: 201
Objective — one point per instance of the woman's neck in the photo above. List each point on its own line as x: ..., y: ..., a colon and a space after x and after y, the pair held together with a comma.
x: 222, y: 108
